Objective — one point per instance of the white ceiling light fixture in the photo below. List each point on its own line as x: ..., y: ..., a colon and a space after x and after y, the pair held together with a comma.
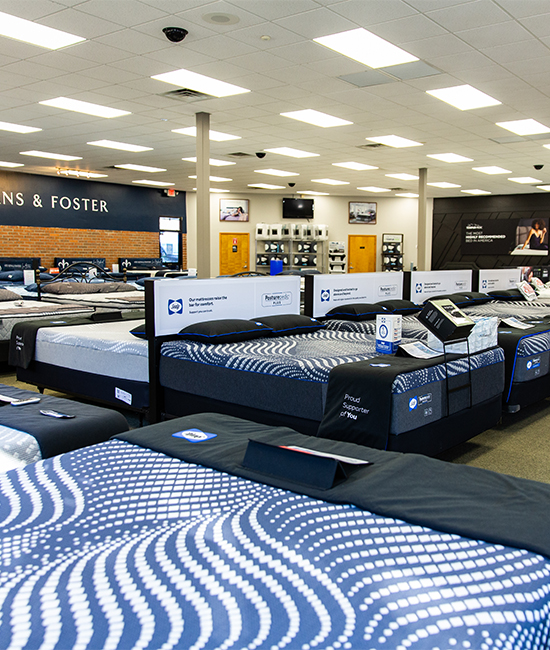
x: 310, y: 116
x: 141, y: 168
x: 146, y: 181
x: 464, y: 97
x: 407, y: 195
x: 546, y: 146
x: 266, y: 186
x: 201, y: 83
x: 475, y: 192
x: 77, y: 106
x: 367, y: 48
x: 374, y: 189
x: 214, y: 190
x: 524, y: 127
x: 329, y: 181
x: 404, y: 177
x: 492, y: 170
x: 123, y: 146
x: 395, y: 141
x: 525, y: 180
x: 444, y: 185
x: 449, y: 157
x: 30, y: 32
x: 355, y: 166
x: 275, y: 172
x: 216, y: 136
x: 313, y: 193
x: 216, y: 179
x: 212, y: 161
x: 80, y: 173
x: 17, y: 128
x: 546, y: 188
x: 3, y: 163
x: 293, y: 153
x: 53, y: 156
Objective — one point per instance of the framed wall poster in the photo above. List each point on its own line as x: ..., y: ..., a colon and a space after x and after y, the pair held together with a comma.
x: 362, y: 212
x: 233, y: 209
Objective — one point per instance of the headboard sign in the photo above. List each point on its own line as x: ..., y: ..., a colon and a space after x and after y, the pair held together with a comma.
x: 64, y: 262
x: 326, y: 291
x: 140, y: 263
x: 427, y: 284
x: 498, y: 279
x: 19, y: 263
x: 176, y: 303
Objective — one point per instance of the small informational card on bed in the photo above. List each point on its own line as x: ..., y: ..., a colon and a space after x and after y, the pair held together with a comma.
x: 419, y: 350
x: 514, y: 322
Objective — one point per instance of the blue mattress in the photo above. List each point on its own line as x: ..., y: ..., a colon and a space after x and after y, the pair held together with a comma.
x: 121, y: 547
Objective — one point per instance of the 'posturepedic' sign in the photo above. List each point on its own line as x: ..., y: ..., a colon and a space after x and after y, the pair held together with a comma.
x: 428, y: 284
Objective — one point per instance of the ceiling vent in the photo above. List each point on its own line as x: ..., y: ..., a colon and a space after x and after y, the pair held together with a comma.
x: 241, y: 154
x: 186, y: 95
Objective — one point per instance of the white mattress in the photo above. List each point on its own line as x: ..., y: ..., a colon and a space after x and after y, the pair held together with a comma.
x: 101, y: 348
x: 115, y: 300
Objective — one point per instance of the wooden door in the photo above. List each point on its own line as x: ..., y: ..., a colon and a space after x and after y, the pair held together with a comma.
x: 234, y: 252
x: 361, y: 253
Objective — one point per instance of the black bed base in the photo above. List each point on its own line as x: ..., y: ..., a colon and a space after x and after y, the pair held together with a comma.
x: 526, y: 393
x: 4, y: 350
x: 429, y: 440
x: 87, y: 385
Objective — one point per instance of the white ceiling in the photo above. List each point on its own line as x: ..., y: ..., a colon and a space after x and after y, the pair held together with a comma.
x: 501, y: 47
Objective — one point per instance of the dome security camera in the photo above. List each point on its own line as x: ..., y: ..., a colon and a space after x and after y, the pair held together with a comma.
x: 291, y: 184
x: 260, y: 154
x: 537, y: 167
x: 175, y: 34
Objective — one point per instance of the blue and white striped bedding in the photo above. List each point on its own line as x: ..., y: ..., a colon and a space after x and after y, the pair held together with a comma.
x: 115, y: 546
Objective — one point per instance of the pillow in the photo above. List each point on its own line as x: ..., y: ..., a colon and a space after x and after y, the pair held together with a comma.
x: 400, y: 306
x: 6, y: 294
x: 12, y: 276
x: 506, y: 294
x: 139, y: 331
x: 229, y: 330
x: 527, y: 291
x: 357, y: 311
x: 114, y: 287
x: 62, y: 288
x: 288, y: 324
x: 475, y: 297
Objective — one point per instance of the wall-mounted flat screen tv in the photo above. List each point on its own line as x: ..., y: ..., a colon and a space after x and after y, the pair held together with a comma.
x: 169, y: 248
x: 298, y: 208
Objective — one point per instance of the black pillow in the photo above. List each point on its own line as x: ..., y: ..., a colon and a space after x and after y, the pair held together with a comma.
x: 506, y: 294
x: 139, y: 331
x: 357, y: 311
x: 471, y: 298
x: 400, y: 306
x: 288, y: 324
x: 230, y: 330
x: 11, y: 276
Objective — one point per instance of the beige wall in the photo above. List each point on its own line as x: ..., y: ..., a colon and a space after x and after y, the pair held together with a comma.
x: 394, y: 215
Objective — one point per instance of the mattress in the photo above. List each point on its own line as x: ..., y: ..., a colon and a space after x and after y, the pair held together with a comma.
x: 289, y: 375
x: 125, y: 300
x: 12, y: 312
x: 122, y: 547
x: 19, y: 446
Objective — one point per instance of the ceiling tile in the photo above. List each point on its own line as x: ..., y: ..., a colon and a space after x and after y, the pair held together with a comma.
x: 469, y: 15
x: 313, y: 24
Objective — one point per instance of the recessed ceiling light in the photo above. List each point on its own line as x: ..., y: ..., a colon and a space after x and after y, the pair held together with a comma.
x: 329, y: 181
x: 141, y: 168
x: 546, y: 188
x: 374, y: 189
x: 31, y: 32
x: 275, y: 172
x: 10, y: 164
x: 221, y: 19
x: 214, y: 190
x: 524, y: 127
x: 316, y: 118
x: 80, y: 173
x: 359, y: 167
x: 313, y: 193
x: 46, y: 154
x: 444, y: 185
x: 492, y: 170
x: 464, y: 97
x: 475, y: 192
x: 84, y: 107
x: 293, y: 153
x: 449, y: 157
x: 154, y: 183
x: 267, y: 186
x: 525, y: 180
x: 395, y: 141
x: 217, y: 136
x: 365, y: 47
x: 17, y: 128
x: 123, y: 146
x: 407, y: 195
x: 199, y: 82
x: 404, y: 177
x: 212, y: 161
x: 546, y: 146
x: 216, y: 179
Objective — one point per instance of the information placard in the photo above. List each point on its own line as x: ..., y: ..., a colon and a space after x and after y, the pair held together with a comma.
x: 498, y: 279
x: 428, y: 284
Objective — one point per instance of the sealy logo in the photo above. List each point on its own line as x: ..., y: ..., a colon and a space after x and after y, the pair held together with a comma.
x: 194, y: 435
x: 325, y: 295
x: 175, y: 307
x: 484, y: 284
x: 418, y: 287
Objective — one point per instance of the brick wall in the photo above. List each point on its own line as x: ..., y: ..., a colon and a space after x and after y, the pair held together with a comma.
x: 47, y: 243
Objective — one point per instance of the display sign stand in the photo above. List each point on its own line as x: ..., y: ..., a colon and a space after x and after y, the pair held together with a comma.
x: 455, y: 389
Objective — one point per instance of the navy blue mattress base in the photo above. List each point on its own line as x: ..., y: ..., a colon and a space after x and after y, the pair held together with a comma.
x: 525, y: 393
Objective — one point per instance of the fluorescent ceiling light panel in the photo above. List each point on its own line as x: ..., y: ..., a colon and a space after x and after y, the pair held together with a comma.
x: 367, y: 48
x: 404, y: 177
x: 46, y: 154
x: 293, y: 153
x: 214, y: 190
x: 35, y: 34
x: 358, y: 167
x: 141, y: 168
x: 10, y: 164
x: 275, y: 172
x: 216, y: 179
x: 407, y: 195
x: 444, y: 185
x: 329, y: 181
x: 84, y: 107
x: 316, y: 118
x: 199, y: 82
x: 217, y: 136
x: 123, y: 146
x: 475, y: 192
x: 154, y: 183
x: 525, y: 180
x: 464, y: 97
x: 449, y: 157
x: 313, y: 193
x: 395, y: 141
x: 524, y: 127
x: 267, y: 186
x: 80, y: 173
x: 17, y: 128
x: 492, y: 170
x: 374, y: 189
x: 546, y: 188
x: 212, y: 161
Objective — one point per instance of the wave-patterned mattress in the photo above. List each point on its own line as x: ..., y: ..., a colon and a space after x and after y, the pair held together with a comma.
x: 115, y: 546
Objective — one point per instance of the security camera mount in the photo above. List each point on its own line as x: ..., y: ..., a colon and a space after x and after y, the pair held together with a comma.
x: 260, y: 154
x: 175, y: 34
x: 537, y: 167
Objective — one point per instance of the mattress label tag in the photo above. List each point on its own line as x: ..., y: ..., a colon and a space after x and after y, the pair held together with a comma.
x: 194, y: 435
x: 123, y: 395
